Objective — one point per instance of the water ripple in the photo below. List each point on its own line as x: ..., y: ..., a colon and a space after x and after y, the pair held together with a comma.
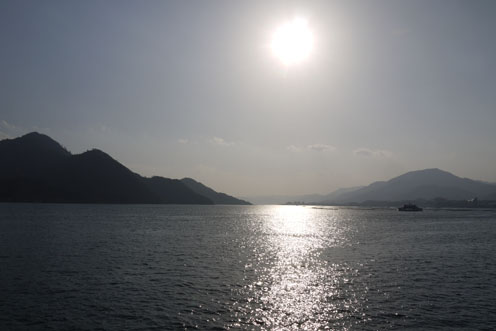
x: 247, y: 267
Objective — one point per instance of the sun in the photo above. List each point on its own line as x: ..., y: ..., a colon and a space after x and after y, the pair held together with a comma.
x: 292, y: 42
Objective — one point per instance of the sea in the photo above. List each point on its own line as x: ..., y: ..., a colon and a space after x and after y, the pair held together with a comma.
x: 178, y: 267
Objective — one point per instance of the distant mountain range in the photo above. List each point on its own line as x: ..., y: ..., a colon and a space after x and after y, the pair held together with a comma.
x: 424, y: 184
x: 427, y: 184
x: 36, y: 168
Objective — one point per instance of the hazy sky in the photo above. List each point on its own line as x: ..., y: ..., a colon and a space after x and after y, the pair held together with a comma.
x: 191, y: 88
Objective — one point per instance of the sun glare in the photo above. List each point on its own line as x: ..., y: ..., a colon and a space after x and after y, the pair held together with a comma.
x: 292, y: 42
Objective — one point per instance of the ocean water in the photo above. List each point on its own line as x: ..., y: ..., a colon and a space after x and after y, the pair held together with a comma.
x: 149, y: 267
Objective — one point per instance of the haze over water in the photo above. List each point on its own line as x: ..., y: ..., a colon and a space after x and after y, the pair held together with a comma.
x: 257, y: 97
x: 250, y: 267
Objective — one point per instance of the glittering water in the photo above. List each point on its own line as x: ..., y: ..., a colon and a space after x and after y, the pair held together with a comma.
x: 245, y: 267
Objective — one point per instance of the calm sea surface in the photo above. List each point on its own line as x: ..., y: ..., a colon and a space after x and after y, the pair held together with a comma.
x: 140, y: 267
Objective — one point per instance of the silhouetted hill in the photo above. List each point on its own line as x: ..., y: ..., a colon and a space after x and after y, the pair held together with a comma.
x: 95, y: 177
x: 35, y: 168
x: 421, y: 184
x: 340, y: 192
x: 29, y: 155
x: 175, y: 191
x: 216, y: 197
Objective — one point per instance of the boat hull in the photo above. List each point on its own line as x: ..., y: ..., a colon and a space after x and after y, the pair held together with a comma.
x: 403, y: 209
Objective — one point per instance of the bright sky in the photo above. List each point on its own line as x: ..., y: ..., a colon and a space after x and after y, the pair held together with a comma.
x: 194, y: 88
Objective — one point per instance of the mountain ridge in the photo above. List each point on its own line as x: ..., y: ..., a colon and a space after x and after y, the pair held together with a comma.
x: 424, y: 184
x: 218, y: 198
x: 428, y: 183
x: 36, y: 168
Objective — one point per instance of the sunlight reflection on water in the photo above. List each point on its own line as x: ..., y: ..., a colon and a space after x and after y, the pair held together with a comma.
x: 66, y: 267
x: 299, y: 289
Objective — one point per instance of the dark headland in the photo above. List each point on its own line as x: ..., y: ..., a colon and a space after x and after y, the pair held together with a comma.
x: 36, y: 168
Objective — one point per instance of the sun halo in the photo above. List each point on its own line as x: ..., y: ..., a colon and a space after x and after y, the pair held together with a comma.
x: 292, y: 42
